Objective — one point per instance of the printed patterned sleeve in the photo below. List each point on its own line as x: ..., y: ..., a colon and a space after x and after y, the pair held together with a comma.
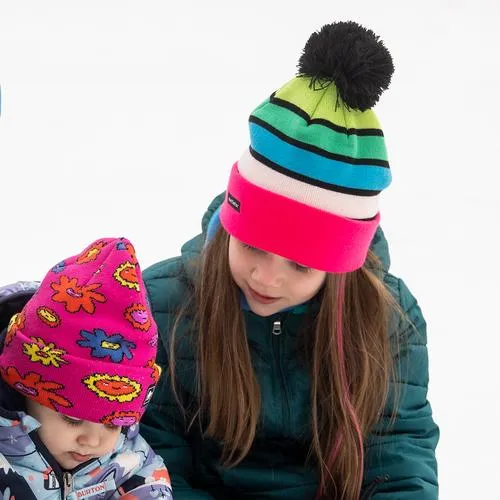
x: 19, y: 286
x: 149, y: 480
x: 12, y: 484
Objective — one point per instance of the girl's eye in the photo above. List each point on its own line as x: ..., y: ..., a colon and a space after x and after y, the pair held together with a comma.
x: 301, y: 269
x: 297, y: 267
x: 72, y: 421
x: 251, y: 248
x: 112, y: 427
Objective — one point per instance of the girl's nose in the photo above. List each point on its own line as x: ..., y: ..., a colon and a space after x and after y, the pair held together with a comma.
x: 268, y: 272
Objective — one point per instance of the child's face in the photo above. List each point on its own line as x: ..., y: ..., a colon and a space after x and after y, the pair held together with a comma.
x: 71, y: 441
x: 269, y: 282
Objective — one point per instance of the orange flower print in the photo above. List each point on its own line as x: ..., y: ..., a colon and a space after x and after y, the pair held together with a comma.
x: 113, y: 387
x: 138, y: 316
x: 156, y: 370
x: 131, y: 251
x: 91, y: 253
x: 16, y: 323
x: 48, y: 316
x: 75, y: 297
x: 33, y: 386
x: 126, y: 275
x: 122, y: 418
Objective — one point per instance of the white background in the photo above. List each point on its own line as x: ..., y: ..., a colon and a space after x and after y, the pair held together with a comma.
x: 123, y: 118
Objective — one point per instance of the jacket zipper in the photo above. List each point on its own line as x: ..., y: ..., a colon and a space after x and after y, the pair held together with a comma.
x: 277, y: 327
x: 370, y: 489
x: 277, y: 331
x: 68, y: 484
x: 65, y: 479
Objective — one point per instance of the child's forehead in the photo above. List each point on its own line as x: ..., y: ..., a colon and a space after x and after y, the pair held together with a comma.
x: 39, y: 410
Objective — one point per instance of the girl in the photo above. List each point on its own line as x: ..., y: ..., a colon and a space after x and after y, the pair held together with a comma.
x: 294, y: 364
x: 77, y: 370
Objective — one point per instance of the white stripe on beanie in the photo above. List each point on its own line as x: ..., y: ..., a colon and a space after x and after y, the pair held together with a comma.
x: 345, y: 205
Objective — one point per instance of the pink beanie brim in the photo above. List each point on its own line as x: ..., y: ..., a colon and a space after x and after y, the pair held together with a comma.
x: 303, y: 234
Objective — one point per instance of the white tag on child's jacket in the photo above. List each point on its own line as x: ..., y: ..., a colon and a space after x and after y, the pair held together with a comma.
x: 93, y: 492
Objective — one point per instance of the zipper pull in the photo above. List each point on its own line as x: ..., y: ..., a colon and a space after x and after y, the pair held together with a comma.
x: 68, y: 483
x: 277, y: 328
x: 370, y: 490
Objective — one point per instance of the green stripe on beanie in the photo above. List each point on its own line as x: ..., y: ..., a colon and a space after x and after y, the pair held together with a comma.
x: 316, y: 134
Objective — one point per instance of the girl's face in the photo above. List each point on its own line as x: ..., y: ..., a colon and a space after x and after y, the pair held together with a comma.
x: 269, y: 282
x: 71, y: 441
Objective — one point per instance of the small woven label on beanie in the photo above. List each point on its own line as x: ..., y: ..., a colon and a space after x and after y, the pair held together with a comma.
x: 233, y: 202
x: 149, y: 394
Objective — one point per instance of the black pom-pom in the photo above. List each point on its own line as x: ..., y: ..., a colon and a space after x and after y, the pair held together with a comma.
x: 353, y: 58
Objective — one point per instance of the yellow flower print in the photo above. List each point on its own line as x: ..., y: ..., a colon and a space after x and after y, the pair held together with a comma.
x: 113, y: 387
x: 47, y: 354
x: 126, y: 275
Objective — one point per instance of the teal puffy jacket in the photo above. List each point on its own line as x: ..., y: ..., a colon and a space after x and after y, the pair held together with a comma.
x: 399, y: 464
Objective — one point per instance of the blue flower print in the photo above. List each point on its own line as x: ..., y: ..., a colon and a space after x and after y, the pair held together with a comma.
x: 102, y: 345
x: 59, y: 268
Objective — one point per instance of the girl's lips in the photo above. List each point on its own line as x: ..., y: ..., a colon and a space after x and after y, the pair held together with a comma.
x: 77, y: 457
x: 262, y: 299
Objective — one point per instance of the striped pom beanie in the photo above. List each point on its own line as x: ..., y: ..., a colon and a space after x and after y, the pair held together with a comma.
x: 308, y: 186
x: 85, y: 343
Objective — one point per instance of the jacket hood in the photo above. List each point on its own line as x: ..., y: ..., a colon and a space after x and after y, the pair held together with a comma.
x: 12, y: 403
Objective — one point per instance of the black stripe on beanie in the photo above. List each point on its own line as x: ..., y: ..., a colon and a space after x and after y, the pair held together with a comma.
x: 316, y: 149
x: 309, y: 180
x: 321, y: 121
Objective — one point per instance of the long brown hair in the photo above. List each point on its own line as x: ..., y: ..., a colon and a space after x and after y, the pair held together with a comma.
x: 350, y: 361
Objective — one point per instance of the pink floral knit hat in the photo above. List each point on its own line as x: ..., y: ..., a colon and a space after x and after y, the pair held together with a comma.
x: 85, y: 344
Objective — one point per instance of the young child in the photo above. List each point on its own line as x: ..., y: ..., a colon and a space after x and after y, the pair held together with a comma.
x: 77, y: 370
x: 294, y: 364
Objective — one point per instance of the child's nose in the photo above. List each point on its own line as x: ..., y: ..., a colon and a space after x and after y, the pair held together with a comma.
x: 91, y: 435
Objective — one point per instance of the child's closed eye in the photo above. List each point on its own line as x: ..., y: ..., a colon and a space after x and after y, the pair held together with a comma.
x: 71, y: 420
x: 76, y: 422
